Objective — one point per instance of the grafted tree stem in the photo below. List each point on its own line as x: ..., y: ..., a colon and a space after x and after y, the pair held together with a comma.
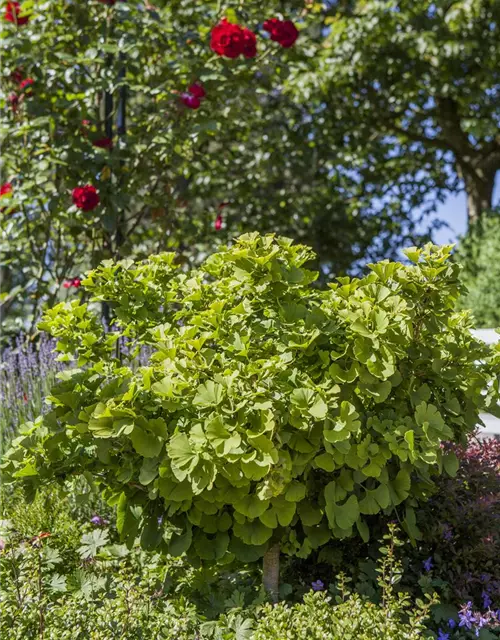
x: 271, y: 571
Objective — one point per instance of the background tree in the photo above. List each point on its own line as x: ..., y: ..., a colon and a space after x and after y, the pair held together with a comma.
x: 418, y: 82
x: 478, y: 254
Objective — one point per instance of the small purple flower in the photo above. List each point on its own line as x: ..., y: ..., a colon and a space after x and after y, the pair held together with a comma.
x: 442, y: 635
x: 98, y: 521
x: 486, y: 600
x: 466, y: 617
x: 318, y: 585
x: 428, y: 564
x: 451, y: 623
x: 447, y: 533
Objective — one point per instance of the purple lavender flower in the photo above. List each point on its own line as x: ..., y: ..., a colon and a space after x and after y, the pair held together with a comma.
x: 318, y: 585
x: 486, y: 599
x: 428, y: 564
x: 442, y: 635
x: 452, y: 623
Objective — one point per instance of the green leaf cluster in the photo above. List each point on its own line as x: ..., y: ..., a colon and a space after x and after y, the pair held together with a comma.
x: 269, y: 410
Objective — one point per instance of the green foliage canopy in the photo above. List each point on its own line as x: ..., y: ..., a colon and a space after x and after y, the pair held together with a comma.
x: 410, y: 95
x: 269, y: 410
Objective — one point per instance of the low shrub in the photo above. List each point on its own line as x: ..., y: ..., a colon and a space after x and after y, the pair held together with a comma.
x: 461, y: 530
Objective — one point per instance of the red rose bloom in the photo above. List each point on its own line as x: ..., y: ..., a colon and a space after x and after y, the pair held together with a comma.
x: 86, y: 198
x: 249, y: 43
x: 231, y: 40
x: 193, y: 97
x: 17, y: 76
x: 27, y: 84
x: 282, y: 31
x: 190, y: 101
x: 5, y: 189
x: 12, y: 13
x: 103, y: 143
x: 197, y: 91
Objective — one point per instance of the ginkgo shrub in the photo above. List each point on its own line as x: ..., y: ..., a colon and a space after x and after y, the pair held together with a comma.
x: 272, y: 416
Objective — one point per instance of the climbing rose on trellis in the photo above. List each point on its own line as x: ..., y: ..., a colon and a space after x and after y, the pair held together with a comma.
x: 86, y: 197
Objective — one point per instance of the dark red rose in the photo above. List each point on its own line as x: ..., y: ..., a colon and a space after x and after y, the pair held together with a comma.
x: 197, y: 90
x: 190, y: 101
x: 218, y: 222
x: 13, y: 100
x: 249, y: 43
x: 282, y: 31
x: 103, y: 143
x: 13, y: 12
x: 17, y: 76
x: 231, y: 40
x: 86, y: 198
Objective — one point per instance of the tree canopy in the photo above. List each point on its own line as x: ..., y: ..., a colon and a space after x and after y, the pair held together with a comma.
x: 412, y: 89
x: 269, y: 412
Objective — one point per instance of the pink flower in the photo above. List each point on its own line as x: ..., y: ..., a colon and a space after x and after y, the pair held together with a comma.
x: 74, y: 282
x: 282, y: 31
x: 218, y: 222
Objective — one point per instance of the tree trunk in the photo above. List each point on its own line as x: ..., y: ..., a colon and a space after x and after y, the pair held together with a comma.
x: 271, y: 571
x: 479, y: 190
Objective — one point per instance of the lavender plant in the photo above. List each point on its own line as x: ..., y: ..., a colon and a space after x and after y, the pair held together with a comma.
x: 28, y: 369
